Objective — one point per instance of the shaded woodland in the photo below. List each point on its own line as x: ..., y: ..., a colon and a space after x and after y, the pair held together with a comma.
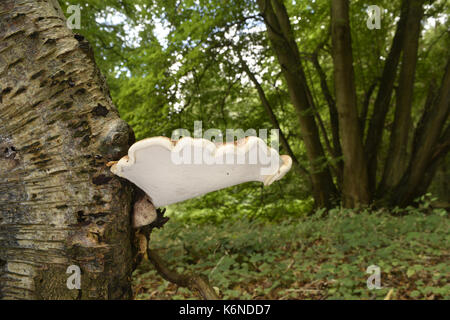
x: 363, y: 113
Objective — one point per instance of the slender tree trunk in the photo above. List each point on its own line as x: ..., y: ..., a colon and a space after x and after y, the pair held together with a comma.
x: 334, y: 118
x: 355, y: 180
x: 383, y: 98
x: 397, y: 160
x: 59, y: 204
x: 365, y: 106
x: 431, y: 145
x: 281, y: 37
x: 273, y: 118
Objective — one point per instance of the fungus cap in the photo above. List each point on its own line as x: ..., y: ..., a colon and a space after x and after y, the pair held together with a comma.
x: 173, y: 171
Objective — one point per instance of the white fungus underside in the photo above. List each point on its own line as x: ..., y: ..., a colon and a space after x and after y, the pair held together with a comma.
x: 150, y: 166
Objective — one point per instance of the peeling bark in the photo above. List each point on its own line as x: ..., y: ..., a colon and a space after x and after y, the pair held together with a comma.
x: 59, y: 204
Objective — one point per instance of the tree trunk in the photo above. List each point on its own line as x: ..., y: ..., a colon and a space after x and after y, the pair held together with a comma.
x: 334, y: 118
x: 273, y: 119
x: 281, y: 37
x: 432, y: 144
x: 383, y: 98
x: 59, y: 204
x: 355, y: 180
x: 397, y: 160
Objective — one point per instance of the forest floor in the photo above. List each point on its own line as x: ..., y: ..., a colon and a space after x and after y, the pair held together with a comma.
x: 313, y: 257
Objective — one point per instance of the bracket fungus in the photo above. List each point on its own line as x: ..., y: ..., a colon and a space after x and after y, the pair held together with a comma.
x: 172, y: 171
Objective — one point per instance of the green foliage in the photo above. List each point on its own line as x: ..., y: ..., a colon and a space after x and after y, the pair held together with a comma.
x: 309, y: 258
x: 170, y: 63
x: 247, y: 201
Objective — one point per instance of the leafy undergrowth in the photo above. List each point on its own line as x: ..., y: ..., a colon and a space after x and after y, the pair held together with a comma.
x: 310, y: 258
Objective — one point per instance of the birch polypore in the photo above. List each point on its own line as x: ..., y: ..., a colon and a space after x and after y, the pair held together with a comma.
x: 173, y: 171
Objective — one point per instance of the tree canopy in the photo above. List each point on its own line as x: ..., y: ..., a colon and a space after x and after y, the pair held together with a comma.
x: 284, y: 64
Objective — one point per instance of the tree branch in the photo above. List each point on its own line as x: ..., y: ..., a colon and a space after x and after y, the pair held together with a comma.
x: 397, y: 160
x: 190, y: 281
x: 366, y: 103
x: 266, y: 104
x: 281, y: 36
x: 331, y: 104
x: 431, y: 144
x: 443, y: 145
x: 383, y: 99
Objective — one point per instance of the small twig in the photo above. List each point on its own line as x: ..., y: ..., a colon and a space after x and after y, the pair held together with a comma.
x: 290, y: 265
x: 190, y: 281
x: 302, y: 290
x: 215, y: 267
x: 389, y: 295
